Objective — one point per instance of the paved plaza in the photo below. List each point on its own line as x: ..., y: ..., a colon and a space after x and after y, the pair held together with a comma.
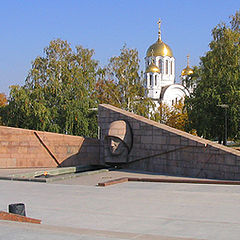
x: 77, y: 209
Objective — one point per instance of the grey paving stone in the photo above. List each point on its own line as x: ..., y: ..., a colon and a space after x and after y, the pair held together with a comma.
x: 133, y: 210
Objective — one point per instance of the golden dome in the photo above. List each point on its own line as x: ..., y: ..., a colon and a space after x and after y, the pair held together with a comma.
x: 152, y: 68
x: 159, y: 48
x: 187, y: 71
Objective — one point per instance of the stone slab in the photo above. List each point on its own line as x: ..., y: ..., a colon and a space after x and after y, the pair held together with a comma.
x: 17, y: 218
x: 133, y: 210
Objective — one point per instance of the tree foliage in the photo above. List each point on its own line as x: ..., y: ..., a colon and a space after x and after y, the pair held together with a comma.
x: 218, y: 83
x: 174, y: 116
x: 122, y: 85
x: 57, y: 95
x: 3, y: 104
x: 3, y: 100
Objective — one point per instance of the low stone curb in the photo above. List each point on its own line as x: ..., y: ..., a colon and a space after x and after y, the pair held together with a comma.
x: 115, y: 181
x: 193, y: 181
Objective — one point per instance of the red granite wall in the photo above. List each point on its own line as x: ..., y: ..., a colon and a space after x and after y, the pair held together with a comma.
x: 159, y: 148
x: 20, y: 148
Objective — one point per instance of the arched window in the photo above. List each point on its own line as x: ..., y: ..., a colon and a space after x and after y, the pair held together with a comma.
x: 155, y: 80
x: 171, y: 67
x: 150, y: 80
x: 166, y: 66
x: 160, y: 65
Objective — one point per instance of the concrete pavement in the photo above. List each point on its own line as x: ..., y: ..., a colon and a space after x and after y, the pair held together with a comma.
x: 132, y: 210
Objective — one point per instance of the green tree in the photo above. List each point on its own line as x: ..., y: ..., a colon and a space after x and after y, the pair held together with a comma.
x: 122, y: 85
x: 57, y: 95
x: 218, y: 83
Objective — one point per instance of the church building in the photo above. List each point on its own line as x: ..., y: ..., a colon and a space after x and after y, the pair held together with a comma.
x: 160, y: 74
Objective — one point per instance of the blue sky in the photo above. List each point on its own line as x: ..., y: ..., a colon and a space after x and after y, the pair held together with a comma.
x: 27, y: 27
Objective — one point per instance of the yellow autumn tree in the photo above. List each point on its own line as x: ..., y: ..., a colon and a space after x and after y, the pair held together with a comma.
x: 3, y: 100
x: 3, y: 103
x: 174, y: 116
x: 178, y: 117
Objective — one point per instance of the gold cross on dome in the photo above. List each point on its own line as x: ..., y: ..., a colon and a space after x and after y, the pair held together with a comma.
x: 159, y: 28
x: 188, y: 60
x: 159, y: 23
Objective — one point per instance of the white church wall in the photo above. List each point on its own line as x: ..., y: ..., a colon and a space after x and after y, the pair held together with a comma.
x: 174, y: 93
